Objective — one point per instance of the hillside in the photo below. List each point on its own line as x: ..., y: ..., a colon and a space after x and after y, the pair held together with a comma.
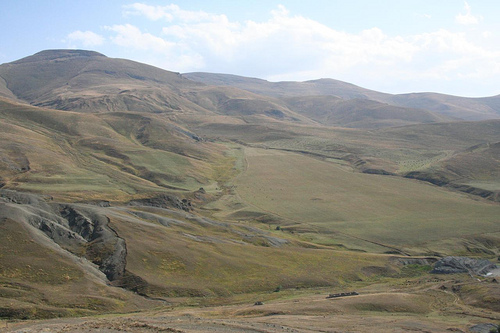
x: 90, y: 82
x: 106, y: 155
x: 450, y: 106
x: 87, y: 81
x: 359, y: 113
x: 328, y: 87
x: 124, y: 187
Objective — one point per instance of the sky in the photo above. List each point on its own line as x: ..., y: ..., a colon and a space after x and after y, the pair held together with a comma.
x: 393, y: 46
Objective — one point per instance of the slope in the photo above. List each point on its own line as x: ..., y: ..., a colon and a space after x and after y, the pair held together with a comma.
x: 87, y: 81
x: 100, y: 156
x: 327, y: 202
x: 359, y: 113
x: 196, y: 194
x: 447, y: 105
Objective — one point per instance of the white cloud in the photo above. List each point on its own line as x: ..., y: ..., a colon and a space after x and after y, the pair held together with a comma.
x: 169, y: 13
x: 130, y: 36
x: 468, y: 18
x: 86, y: 38
x: 159, y: 52
x: 423, y: 16
x: 291, y: 47
x: 151, y: 12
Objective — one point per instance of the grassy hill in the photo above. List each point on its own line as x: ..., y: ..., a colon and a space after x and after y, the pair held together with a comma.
x: 327, y: 202
x: 124, y: 187
x: 321, y: 87
x: 87, y: 81
x: 359, y: 113
x: 451, y: 106
x: 100, y: 156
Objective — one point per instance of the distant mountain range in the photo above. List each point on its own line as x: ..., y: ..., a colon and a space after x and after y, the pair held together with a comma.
x: 88, y: 81
x: 452, y: 106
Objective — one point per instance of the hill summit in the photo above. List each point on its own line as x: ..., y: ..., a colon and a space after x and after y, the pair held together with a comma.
x: 48, y: 55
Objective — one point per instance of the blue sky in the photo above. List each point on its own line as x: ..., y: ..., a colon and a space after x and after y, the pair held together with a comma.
x: 395, y: 46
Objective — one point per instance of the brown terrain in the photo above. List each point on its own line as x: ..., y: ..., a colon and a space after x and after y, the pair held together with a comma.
x: 134, y: 199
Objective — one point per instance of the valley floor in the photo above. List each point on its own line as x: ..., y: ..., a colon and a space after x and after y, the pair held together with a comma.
x: 421, y: 305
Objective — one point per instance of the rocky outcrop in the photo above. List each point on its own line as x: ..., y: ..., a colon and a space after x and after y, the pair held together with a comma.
x: 454, y: 265
x: 443, y: 181
x: 433, y: 178
x: 103, y: 246
x: 373, y: 171
x: 483, y: 328
x: 487, y: 194
x: 351, y: 293
x: 163, y: 201
x: 79, y: 229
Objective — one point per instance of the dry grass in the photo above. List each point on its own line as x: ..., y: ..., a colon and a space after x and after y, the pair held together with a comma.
x: 37, y: 282
x: 324, y: 198
x: 188, y: 259
x: 80, y: 156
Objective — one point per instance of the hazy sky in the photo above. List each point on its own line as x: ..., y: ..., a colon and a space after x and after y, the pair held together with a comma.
x: 395, y: 46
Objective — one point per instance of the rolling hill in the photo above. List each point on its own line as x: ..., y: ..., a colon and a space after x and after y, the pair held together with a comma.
x: 87, y: 81
x: 124, y: 187
x: 104, y: 155
x: 359, y: 113
x: 447, y: 105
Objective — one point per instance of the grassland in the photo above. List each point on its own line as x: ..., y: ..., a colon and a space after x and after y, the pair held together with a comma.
x: 423, y: 306
x: 80, y: 156
x: 39, y: 282
x: 222, y: 260
x: 324, y: 198
x: 287, y: 213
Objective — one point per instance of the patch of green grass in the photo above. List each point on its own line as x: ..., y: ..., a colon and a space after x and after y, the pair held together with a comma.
x: 323, y: 198
x: 215, y: 264
x: 71, y: 159
x: 414, y: 270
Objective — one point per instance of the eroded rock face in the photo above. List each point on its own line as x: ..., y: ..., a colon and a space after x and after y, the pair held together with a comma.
x: 454, y: 265
x: 483, y: 328
x: 441, y: 180
x: 163, y: 201
x: 103, y: 246
x: 79, y: 229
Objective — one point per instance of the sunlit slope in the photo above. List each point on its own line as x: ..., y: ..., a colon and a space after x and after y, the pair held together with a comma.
x: 87, y: 156
x: 62, y: 258
x: 39, y: 280
x: 87, y: 81
x: 183, y: 255
x: 458, y: 152
x: 447, y: 105
x: 360, y: 113
x: 311, y: 195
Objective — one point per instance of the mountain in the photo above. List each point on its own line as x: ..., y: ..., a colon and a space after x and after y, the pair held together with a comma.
x: 454, y: 106
x: 359, y: 113
x: 101, y: 155
x: 327, y: 87
x: 87, y: 81
x: 447, y: 105
x: 127, y: 188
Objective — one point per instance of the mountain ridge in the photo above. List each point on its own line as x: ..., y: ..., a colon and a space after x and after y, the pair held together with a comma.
x: 455, y: 106
x: 88, y: 81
